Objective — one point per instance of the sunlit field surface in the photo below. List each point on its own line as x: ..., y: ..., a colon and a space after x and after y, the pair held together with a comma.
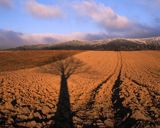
x: 116, y: 89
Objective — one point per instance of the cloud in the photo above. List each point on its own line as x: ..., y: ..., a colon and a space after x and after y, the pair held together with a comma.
x: 9, y: 38
x: 6, y: 3
x: 103, y: 15
x: 56, y: 38
x: 113, y: 23
x: 42, y: 11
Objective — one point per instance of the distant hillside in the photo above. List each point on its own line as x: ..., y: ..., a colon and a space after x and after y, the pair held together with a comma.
x: 121, y: 44
x: 112, y: 44
x: 75, y: 45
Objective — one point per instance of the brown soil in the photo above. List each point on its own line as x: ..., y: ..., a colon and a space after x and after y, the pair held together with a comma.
x: 122, y: 91
x: 14, y: 60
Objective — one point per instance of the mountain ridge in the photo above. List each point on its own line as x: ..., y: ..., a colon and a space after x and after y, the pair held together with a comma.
x: 108, y: 44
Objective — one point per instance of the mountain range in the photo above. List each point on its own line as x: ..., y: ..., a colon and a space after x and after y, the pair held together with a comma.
x: 108, y: 44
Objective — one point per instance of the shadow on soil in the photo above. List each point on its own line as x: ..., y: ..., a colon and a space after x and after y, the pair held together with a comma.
x: 65, y: 68
x: 63, y: 115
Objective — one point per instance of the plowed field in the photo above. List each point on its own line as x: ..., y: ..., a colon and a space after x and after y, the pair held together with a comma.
x: 118, y: 89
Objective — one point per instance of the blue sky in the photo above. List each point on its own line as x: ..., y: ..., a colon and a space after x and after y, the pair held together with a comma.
x: 125, y: 18
x: 18, y: 19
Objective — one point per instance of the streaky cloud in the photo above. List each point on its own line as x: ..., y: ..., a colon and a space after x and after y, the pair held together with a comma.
x: 113, y: 23
x: 39, y: 10
x: 103, y: 15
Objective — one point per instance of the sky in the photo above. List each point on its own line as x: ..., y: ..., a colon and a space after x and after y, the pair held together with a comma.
x: 43, y: 21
